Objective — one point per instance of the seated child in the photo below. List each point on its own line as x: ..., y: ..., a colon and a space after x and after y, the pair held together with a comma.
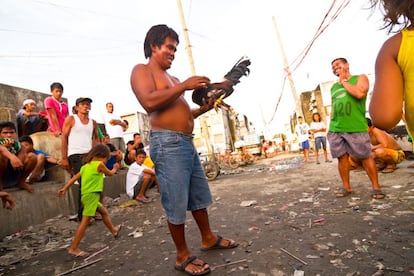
x: 139, y: 178
x: 39, y: 170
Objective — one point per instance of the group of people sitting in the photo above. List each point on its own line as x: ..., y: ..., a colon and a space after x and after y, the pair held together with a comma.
x: 21, y: 164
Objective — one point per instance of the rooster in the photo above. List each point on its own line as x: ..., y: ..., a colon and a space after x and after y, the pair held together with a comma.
x: 222, y: 90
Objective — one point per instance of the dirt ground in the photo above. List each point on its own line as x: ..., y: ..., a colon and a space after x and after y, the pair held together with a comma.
x: 281, y: 211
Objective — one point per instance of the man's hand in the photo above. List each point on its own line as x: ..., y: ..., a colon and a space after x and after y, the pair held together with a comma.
x: 207, y: 105
x: 16, y: 163
x: 8, y: 201
x: 64, y: 163
x: 195, y: 82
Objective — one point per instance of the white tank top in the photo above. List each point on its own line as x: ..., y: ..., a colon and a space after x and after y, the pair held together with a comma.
x: 80, y: 137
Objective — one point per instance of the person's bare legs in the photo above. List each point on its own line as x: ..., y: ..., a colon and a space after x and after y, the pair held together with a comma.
x: 183, y: 252
x: 107, y: 221
x: 207, y: 237
x: 29, y: 164
x: 386, y: 158
x: 38, y: 168
x: 371, y: 169
x: 317, y: 156
x: 343, y: 169
x: 141, y: 194
x: 325, y: 155
x: 306, y: 154
x: 74, y: 248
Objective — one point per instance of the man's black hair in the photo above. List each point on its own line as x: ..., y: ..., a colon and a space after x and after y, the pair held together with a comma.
x: 341, y: 59
x: 156, y: 36
x: 7, y: 124
x: 56, y: 85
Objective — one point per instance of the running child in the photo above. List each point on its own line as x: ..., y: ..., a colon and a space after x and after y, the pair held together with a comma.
x: 92, y: 173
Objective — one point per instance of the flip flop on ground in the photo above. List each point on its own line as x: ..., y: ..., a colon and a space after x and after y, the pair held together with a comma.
x: 191, y: 260
x: 217, y: 245
x: 343, y: 193
x: 377, y: 194
x: 144, y: 200
x: 81, y: 254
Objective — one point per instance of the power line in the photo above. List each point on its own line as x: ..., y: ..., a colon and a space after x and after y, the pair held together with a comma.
x: 319, y: 31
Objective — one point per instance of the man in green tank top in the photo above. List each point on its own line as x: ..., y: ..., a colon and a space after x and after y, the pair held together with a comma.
x: 348, y: 129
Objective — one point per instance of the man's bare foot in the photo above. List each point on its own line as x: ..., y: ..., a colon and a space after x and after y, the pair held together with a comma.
x: 25, y: 186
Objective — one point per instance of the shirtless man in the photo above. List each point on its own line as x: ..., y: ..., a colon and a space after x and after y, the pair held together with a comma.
x: 384, y: 149
x: 172, y: 148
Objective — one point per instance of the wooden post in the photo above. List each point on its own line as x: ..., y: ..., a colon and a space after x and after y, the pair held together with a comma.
x: 203, y: 118
x: 289, y: 74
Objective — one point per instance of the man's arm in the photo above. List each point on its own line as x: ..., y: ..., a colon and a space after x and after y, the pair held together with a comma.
x: 360, y: 89
x: 204, y: 108
x: 155, y: 94
x: 117, y: 122
x: 95, y: 136
x: 67, y: 126
x: 53, y: 116
x: 14, y: 160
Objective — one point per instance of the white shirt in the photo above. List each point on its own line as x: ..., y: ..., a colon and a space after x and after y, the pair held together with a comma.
x: 80, y: 137
x: 302, y: 132
x: 114, y: 131
x: 135, y: 172
x: 315, y: 126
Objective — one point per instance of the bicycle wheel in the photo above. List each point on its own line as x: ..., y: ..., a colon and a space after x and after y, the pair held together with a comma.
x: 211, y: 169
x: 233, y: 162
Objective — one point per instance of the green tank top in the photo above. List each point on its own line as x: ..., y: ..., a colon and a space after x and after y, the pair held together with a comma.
x: 348, y: 113
x: 92, y: 180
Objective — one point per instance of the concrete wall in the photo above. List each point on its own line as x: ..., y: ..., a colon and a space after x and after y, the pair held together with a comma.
x: 43, y: 204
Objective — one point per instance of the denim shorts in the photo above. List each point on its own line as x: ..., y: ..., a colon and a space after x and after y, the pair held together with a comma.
x: 183, y: 183
x: 320, y: 142
x: 305, y: 144
x: 355, y: 144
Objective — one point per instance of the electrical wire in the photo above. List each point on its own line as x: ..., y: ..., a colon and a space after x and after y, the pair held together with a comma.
x: 319, y: 31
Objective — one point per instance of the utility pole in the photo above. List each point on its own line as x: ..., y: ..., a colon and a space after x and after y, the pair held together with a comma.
x: 203, y: 118
x: 287, y: 69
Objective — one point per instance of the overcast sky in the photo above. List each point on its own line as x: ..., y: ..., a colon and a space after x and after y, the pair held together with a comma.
x: 90, y: 46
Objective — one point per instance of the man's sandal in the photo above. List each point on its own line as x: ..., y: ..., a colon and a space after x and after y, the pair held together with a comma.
x: 377, y: 194
x: 343, y: 193
x: 191, y: 260
x: 217, y: 245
